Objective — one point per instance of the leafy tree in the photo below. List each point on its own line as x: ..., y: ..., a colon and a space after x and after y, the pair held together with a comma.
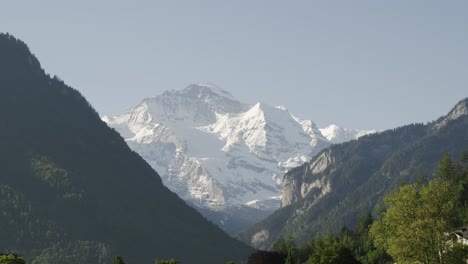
x: 332, y: 252
x: 458, y: 254
x: 416, y: 225
x: 347, y: 246
x: 11, y: 259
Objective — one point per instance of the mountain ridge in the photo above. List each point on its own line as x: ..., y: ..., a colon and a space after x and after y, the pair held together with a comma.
x: 336, y: 134
x: 347, y: 180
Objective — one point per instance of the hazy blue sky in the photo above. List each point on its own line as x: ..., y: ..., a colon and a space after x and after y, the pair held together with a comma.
x: 360, y: 64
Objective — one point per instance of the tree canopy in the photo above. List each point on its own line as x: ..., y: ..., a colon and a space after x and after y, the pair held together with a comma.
x: 11, y: 259
x: 418, y: 222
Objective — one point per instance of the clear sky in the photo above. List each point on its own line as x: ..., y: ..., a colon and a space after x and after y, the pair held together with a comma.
x: 359, y: 64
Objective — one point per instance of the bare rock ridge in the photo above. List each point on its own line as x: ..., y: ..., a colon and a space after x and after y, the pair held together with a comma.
x: 225, y: 157
x: 297, y: 188
x: 459, y: 110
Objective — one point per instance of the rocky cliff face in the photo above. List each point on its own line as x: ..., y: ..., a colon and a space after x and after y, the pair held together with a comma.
x: 297, y: 186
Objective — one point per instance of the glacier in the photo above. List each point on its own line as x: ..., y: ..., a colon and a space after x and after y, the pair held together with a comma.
x: 224, y: 157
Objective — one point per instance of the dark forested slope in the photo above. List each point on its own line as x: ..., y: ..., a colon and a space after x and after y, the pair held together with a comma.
x: 71, y: 191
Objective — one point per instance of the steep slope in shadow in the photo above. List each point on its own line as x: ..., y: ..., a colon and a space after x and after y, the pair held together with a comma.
x: 72, y: 191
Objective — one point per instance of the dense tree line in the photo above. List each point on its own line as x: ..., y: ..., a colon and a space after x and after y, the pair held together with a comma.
x: 348, y: 246
x: 416, y: 225
x: 420, y: 218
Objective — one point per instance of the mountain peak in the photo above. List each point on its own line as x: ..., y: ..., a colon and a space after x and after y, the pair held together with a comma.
x: 16, y: 57
x: 264, y: 111
x: 206, y: 90
x: 217, y: 153
x: 333, y: 126
x: 336, y: 134
x: 461, y: 108
x: 458, y: 111
x: 197, y: 104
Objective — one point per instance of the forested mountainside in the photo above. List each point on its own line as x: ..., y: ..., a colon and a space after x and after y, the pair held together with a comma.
x: 71, y: 190
x: 347, y: 180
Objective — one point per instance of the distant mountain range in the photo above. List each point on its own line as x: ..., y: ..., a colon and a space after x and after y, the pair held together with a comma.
x: 345, y: 181
x: 72, y: 191
x: 336, y: 134
x: 225, y: 157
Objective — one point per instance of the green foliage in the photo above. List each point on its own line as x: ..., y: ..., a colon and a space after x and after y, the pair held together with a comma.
x: 364, y: 249
x: 458, y: 254
x: 417, y: 225
x: 290, y: 257
x: 347, y: 246
x: 74, y: 252
x: 50, y: 173
x: 11, y: 259
x: 118, y: 260
x: 462, y: 188
x: 55, y: 177
x: 344, y: 248
x: 284, y: 245
x: 446, y: 169
x: 332, y: 252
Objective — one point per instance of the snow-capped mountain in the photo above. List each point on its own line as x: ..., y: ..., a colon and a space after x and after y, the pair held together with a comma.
x: 336, y: 134
x: 225, y: 157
